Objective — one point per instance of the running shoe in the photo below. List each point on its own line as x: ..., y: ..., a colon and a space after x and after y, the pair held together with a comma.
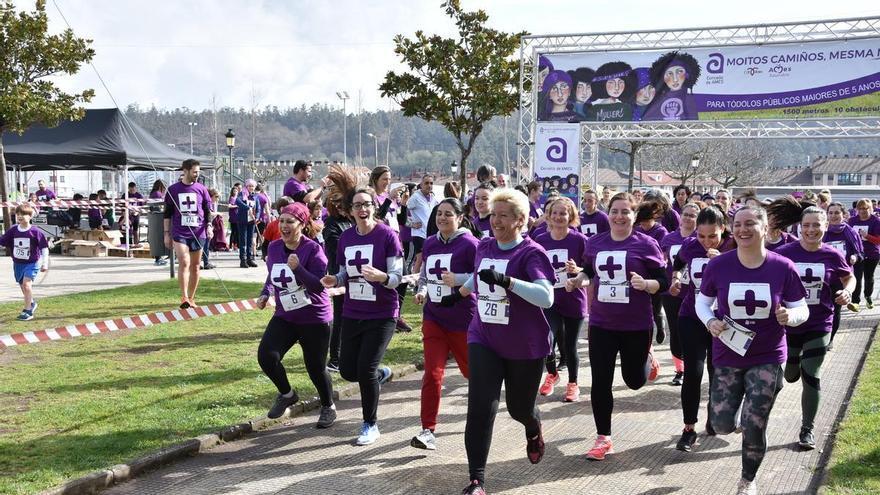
x: 535, y: 447
x: 661, y: 335
x: 25, y: 315
x: 687, y: 440
x: 600, y: 449
x: 746, y: 487
x: 34, y: 306
x: 209, y: 266
x: 853, y: 306
x: 403, y: 326
x: 550, y: 381
x: 475, y: 488
x: 572, y: 393
x: 384, y: 374
x: 251, y: 263
x: 327, y: 417
x: 678, y: 379
x: 185, y: 303
x: 655, y: 368
x: 333, y: 367
x: 424, y: 440
x: 806, y: 440
x: 869, y: 304
x: 369, y: 434
x: 160, y: 262
x: 281, y: 404
x: 243, y: 264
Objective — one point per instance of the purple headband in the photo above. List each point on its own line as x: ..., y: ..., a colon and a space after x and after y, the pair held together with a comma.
x: 643, y: 74
x: 618, y: 75
x: 298, y: 211
x: 677, y: 62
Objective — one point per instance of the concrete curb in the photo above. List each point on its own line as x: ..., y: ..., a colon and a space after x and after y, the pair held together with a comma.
x: 120, y: 473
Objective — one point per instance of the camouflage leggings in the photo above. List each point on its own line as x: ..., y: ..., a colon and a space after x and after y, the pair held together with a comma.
x: 806, y: 352
x: 756, y: 389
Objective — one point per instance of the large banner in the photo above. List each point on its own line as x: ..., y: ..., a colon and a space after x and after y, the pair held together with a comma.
x: 558, y: 159
x: 790, y: 81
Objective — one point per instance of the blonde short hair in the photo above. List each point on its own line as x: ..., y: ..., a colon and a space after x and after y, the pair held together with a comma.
x: 517, y: 200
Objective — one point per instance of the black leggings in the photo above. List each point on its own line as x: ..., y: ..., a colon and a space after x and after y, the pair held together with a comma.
x: 635, y: 366
x: 696, y: 345
x: 656, y: 307
x: 279, y: 337
x: 337, y: 327
x: 363, y: 344
x: 671, y: 306
x: 864, y: 270
x: 569, y: 329
x: 521, y: 378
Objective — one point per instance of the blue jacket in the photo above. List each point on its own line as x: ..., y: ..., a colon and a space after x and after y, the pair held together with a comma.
x: 248, y: 208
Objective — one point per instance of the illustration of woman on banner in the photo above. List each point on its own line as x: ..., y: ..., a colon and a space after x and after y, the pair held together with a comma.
x: 545, y: 66
x: 614, y: 87
x: 557, y: 87
x: 645, y: 92
x: 583, y: 93
x: 675, y: 73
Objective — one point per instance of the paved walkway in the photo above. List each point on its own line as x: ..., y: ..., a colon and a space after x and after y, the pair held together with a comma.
x: 299, y: 459
x: 70, y: 275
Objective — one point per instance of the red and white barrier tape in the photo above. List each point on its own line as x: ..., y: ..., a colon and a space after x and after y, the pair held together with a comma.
x: 142, y: 321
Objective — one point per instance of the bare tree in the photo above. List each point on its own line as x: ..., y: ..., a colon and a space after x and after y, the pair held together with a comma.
x: 633, y: 149
x: 736, y: 163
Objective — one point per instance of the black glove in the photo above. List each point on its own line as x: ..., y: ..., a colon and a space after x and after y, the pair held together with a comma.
x: 450, y: 300
x: 489, y: 276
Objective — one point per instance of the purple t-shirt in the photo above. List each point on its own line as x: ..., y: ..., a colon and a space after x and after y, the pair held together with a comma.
x: 750, y: 296
x: 784, y: 238
x: 535, y: 211
x: 299, y: 295
x: 506, y: 323
x: 190, y: 205
x: 613, y: 304
x: 24, y: 247
x: 872, y: 226
x: 456, y: 257
x: 845, y: 239
x: 657, y: 232
x: 671, y: 220
x: 45, y: 194
x: 391, y: 216
x: 484, y: 226
x: 571, y: 247
x: 693, y: 255
x: 671, y: 245
x: 594, y: 223
x: 819, y: 271
x: 156, y: 195
x: 368, y: 300
x: 293, y: 187
x: 263, y: 199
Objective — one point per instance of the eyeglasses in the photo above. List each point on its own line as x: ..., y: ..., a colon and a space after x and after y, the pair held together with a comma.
x: 362, y: 206
x: 559, y: 88
x: 688, y: 215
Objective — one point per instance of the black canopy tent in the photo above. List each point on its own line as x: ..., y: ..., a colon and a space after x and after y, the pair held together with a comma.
x: 102, y: 140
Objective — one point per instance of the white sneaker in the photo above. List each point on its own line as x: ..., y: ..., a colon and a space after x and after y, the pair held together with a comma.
x: 746, y: 487
x: 369, y: 434
x: 424, y: 440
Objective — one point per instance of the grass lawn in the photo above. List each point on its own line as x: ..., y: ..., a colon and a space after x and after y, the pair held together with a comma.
x: 69, y: 408
x: 854, y: 467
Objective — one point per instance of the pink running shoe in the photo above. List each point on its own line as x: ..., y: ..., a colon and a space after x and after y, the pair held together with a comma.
x: 602, y: 448
x: 655, y: 368
x: 550, y: 381
x: 572, y: 392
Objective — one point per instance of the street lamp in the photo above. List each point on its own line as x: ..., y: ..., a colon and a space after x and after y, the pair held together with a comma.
x: 230, y: 143
x: 191, y: 125
x: 376, y: 141
x: 695, y: 162
x: 343, y: 95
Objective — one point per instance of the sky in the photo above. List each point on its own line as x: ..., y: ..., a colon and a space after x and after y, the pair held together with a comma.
x: 184, y: 53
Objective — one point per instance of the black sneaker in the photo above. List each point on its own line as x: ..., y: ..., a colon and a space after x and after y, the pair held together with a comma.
x: 806, y: 440
x: 403, y: 326
x: 475, y: 488
x: 687, y: 440
x: 251, y: 263
x: 243, y: 264
x: 281, y: 405
x: 326, y: 418
x: 678, y: 379
x: 209, y: 266
x: 710, y: 432
x: 661, y: 335
x: 333, y: 367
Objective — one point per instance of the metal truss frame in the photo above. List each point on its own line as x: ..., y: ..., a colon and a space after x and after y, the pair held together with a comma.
x: 763, y: 34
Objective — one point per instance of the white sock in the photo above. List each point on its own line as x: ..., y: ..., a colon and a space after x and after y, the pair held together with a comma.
x: 288, y: 394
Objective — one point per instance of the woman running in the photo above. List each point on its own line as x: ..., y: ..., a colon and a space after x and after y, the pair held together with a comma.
x: 593, y: 220
x: 302, y: 311
x: 867, y: 225
x: 821, y: 268
x: 688, y: 267
x: 565, y: 248
x: 372, y: 259
x: 481, y: 207
x: 758, y: 293
x: 510, y: 338
x: 625, y: 268
x: 845, y: 239
x: 671, y: 245
x: 449, y: 262
x: 648, y: 217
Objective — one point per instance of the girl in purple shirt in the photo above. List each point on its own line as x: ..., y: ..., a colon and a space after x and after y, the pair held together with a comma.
x: 302, y: 311
x: 565, y: 248
x: 449, y: 262
x: 481, y: 208
x: 593, y: 220
x: 625, y: 268
x: 670, y: 245
x: 868, y: 228
x: 819, y: 266
x: 845, y: 239
x: 758, y: 293
x: 648, y: 217
x: 509, y: 339
x: 370, y: 268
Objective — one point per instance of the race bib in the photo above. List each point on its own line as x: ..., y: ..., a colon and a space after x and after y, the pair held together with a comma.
x: 360, y: 290
x: 589, y: 229
x: 21, y: 249
x: 673, y: 250
x: 860, y: 229
x: 614, y: 293
x: 189, y: 220
x: 737, y: 337
x: 749, y: 301
x: 840, y: 246
x: 436, y: 264
x: 294, y: 299
x: 356, y: 257
x: 698, y: 266
x: 812, y: 276
x: 492, y: 301
x: 558, y: 257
